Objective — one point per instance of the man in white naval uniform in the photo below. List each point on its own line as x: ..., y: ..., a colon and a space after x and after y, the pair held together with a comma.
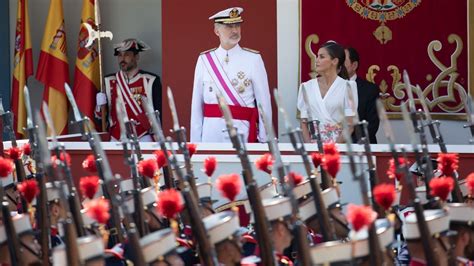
x: 240, y: 75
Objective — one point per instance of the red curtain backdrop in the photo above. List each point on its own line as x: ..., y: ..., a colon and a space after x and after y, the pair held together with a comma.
x: 187, y: 32
x: 413, y: 25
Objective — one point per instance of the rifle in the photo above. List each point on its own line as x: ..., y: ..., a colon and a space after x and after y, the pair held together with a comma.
x: 456, y: 194
x: 181, y: 140
x: 255, y: 199
x: 7, y: 118
x: 73, y: 197
x: 72, y: 249
x: 117, y: 201
x: 419, y: 212
x: 139, y: 214
x: 413, y: 116
x: 298, y: 228
x: 296, y: 140
x: 313, y: 127
x: 105, y: 175
x: 12, y: 237
x: 364, y: 138
x: 42, y: 201
x: 206, y: 251
x: 375, y: 257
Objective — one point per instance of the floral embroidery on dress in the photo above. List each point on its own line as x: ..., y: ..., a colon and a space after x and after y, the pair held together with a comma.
x: 330, y: 132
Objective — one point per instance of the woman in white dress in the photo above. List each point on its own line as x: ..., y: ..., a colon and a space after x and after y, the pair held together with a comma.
x: 331, y: 96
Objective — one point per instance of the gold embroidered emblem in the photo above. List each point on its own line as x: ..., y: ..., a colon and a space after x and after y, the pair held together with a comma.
x: 234, y: 13
x: 383, y: 11
x: 241, y: 88
x: 241, y: 75
x: 235, y: 82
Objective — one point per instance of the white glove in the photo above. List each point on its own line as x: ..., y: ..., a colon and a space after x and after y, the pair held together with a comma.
x: 100, y: 99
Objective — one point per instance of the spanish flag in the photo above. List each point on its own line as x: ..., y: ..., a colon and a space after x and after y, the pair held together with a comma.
x: 86, y: 72
x: 22, y: 66
x: 53, y: 69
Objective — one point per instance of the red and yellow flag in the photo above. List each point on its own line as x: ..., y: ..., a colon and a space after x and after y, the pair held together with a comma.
x: 86, y: 72
x: 53, y: 69
x: 22, y: 66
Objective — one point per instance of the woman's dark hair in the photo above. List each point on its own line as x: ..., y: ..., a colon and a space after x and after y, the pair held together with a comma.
x: 335, y: 50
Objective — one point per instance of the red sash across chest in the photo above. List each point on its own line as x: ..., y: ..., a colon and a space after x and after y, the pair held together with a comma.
x: 131, y: 94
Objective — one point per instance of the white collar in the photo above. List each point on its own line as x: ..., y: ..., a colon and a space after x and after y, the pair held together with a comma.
x: 354, y: 77
x: 221, y: 52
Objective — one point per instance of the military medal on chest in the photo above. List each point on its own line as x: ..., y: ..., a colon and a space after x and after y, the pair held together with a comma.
x: 137, y: 94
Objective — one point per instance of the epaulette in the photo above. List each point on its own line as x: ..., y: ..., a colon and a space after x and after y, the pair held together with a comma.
x: 251, y: 50
x: 210, y: 50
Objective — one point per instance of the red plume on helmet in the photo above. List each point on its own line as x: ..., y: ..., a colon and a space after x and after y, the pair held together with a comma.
x: 441, y: 187
x: 297, y: 178
x: 229, y: 185
x: 392, y: 168
x: 330, y: 148
x: 14, y: 153
x: 98, y: 209
x: 148, y: 168
x: 191, y: 148
x: 385, y: 195
x: 28, y: 189
x: 6, y: 167
x: 470, y: 184
x: 317, y: 159
x: 89, y: 185
x: 332, y: 164
x: 265, y: 163
x: 169, y: 203
x: 360, y: 216
x: 160, y: 158
x: 26, y: 149
x: 448, y: 163
x: 89, y: 164
x: 210, y: 164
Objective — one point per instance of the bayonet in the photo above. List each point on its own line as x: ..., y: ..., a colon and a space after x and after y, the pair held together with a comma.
x: 411, y: 100
x: 181, y: 140
x: 72, y: 101
x: 205, y: 249
x: 313, y: 127
x: 287, y: 186
x: 296, y: 140
x: 419, y: 160
x: 376, y: 257
x: 469, y: 107
x: 261, y: 222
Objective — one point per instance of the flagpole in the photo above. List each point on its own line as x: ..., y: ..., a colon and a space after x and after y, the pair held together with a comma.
x: 103, y: 108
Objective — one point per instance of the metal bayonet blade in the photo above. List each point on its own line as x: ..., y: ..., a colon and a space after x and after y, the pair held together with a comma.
x: 226, y: 113
x: 121, y: 118
x: 411, y: 100
x: 2, y: 110
x: 49, y: 122
x: 422, y: 99
x: 309, y: 111
x: 43, y: 147
x: 72, y: 101
x: 408, y: 124
x: 387, y: 128
x: 29, y: 112
x: 282, y: 111
x: 352, y: 103
x: 174, y: 112
x: 469, y: 107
